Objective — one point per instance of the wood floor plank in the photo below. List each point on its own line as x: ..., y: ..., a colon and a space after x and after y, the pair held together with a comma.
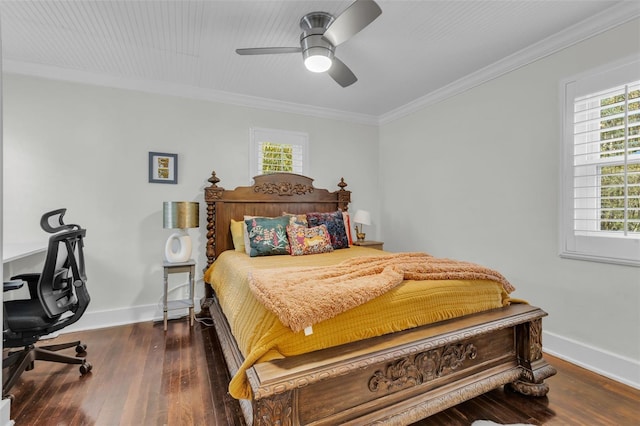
x: 144, y: 376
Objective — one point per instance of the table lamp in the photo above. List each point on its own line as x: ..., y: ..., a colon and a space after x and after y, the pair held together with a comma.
x: 179, y: 215
x: 361, y: 217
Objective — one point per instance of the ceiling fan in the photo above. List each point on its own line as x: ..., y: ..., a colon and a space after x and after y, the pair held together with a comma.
x: 321, y: 33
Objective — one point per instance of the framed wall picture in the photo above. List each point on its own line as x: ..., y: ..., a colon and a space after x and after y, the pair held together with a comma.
x: 163, y: 167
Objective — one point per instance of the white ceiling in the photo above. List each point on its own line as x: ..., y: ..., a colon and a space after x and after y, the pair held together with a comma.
x: 414, y: 49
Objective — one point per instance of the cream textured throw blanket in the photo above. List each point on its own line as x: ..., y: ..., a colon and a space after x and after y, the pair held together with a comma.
x: 301, y: 297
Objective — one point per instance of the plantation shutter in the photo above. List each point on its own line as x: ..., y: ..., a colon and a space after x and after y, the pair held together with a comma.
x: 601, y: 164
x: 607, y: 161
x: 280, y: 157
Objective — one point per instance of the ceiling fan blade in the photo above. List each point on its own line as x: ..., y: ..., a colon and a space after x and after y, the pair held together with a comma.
x: 341, y: 73
x: 357, y: 16
x: 268, y: 50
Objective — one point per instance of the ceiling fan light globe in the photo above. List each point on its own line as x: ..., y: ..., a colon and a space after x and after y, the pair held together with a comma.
x: 317, y: 58
x: 318, y: 63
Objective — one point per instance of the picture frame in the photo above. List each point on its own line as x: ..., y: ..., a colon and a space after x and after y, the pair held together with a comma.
x: 163, y: 168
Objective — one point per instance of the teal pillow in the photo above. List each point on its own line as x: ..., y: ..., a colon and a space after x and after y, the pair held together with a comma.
x: 268, y: 236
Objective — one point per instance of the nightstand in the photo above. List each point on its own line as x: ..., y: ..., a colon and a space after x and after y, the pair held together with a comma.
x: 168, y: 305
x: 371, y: 244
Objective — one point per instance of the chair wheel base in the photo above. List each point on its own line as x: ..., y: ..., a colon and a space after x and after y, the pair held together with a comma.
x: 86, y: 368
x: 81, y: 348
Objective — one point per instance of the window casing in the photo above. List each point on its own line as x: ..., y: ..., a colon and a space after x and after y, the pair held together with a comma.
x: 601, y: 165
x: 274, y: 151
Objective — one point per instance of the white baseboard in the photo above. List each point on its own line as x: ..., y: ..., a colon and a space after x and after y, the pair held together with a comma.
x: 618, y: 368
x: 114, y: 317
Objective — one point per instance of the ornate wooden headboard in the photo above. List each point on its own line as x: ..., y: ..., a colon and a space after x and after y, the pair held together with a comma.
x: 270, y: 195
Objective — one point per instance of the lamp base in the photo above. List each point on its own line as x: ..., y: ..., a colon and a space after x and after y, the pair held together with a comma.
x: 360, y: 236
x: 183, y: 249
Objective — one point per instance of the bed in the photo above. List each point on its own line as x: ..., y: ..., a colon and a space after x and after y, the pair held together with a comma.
x: 397, y: 377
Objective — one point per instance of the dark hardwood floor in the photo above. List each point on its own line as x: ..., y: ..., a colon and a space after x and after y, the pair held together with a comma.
x: 142, y: 376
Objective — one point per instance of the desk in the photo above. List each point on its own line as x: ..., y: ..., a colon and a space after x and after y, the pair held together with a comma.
x: 12, y: 252
x: 15, y: 251
x: 176, y: 268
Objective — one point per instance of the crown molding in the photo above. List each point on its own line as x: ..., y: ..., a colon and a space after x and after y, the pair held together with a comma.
x: 183, y: 91
x: 597, y: 24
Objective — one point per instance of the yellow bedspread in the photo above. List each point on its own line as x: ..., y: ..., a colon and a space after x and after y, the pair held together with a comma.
x: 262, y: 337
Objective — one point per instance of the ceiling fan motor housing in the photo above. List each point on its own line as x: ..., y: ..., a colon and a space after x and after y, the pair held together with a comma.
x: 316, y: 20
x: 313, y: 26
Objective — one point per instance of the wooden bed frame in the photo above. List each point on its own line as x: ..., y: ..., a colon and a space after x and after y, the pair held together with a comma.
x: 392, y: 379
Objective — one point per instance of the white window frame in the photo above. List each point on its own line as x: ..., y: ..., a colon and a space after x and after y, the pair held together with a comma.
x: 596, y: 245
x: 298, y: 140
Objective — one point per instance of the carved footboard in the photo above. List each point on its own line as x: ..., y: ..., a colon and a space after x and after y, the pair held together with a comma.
x: 398, y: 378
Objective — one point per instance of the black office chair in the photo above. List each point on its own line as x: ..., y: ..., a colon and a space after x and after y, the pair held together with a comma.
x: 58, y: 298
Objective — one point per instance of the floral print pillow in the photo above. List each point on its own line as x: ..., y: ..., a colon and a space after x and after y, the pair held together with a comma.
x: 268, y: 236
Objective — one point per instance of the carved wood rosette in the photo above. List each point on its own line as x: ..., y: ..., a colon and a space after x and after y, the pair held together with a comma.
x: 422, y: 367
x: 278, y: 410
x: 283, y: 188
x: 533, y: 367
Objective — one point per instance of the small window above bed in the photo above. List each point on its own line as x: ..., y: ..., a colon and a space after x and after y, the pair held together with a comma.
x: 273, y: 151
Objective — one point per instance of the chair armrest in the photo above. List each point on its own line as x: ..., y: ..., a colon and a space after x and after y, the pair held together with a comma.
x: 12, y: 285
x: 32, y: 281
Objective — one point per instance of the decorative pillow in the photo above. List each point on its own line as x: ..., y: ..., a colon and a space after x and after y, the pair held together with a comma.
x: 237, y: 234
x: 305, y: 240
x: 297, y: 219
x: 347, y: 227
x: 268, y: 236
x: 335, y: 225
x: 245, y: 234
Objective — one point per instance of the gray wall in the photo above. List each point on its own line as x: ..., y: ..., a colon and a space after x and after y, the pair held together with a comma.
x: 86, y: 148
x: 476, y: 177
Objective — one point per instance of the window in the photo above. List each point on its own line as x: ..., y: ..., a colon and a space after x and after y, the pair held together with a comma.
x: 601, y: 166
x: 278, y: 151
